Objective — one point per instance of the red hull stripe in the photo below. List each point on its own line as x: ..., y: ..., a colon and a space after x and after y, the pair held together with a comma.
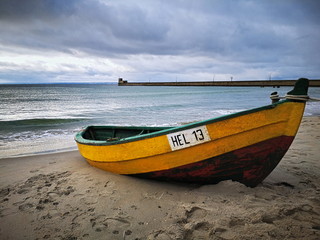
x: 249, y: 165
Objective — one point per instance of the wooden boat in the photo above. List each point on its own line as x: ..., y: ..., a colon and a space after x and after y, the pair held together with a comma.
x: 244, y: 146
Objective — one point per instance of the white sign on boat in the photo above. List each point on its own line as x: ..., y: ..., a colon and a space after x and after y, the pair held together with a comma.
x: 188, y: 138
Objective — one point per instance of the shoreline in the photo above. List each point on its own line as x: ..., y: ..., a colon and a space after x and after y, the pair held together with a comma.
x: 44, y: 153
x: 74, y: 148
x: 60, y: 196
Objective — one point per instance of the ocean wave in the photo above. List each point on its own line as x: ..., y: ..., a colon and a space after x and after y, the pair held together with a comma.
x: 41, y: 122
x: 221, y: 112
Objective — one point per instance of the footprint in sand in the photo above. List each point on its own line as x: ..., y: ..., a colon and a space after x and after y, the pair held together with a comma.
x: 200, y: 230
x: 88, y: 200
x: 193, y: 226
x: 159, y: 235
x: 116, y: 225
x: 4, y: 192
x: 25, y: 206
x: 196, y: 212
x: 234, y: 222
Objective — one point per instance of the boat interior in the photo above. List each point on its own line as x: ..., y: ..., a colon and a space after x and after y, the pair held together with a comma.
x: 112, y: 133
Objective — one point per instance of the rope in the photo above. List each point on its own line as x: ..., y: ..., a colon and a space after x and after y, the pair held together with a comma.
x: 294, y: 97
x: 315, y: 99
x: 298, y: 97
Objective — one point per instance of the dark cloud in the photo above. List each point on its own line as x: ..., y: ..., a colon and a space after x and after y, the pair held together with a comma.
x: 217, y: 27
x: 16, y: 10
x: 250, y: 34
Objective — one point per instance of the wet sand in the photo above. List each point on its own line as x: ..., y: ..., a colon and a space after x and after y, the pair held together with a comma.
x: 60, y: 196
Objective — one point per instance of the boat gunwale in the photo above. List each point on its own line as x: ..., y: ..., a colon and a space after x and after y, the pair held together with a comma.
x: 80, y: 140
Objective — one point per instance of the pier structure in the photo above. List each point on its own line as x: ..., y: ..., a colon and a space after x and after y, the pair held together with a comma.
x: 256, y: 83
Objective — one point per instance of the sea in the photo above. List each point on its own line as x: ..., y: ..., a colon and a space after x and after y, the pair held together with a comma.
x: 44, y: 118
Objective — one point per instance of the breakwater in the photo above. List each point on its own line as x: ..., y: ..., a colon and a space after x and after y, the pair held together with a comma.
x: 256, y: 83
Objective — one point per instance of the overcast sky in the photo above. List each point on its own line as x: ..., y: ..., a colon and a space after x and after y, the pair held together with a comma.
x: 158, y: 40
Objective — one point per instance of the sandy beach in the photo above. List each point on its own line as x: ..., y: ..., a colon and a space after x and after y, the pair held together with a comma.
x: 60, y: 196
